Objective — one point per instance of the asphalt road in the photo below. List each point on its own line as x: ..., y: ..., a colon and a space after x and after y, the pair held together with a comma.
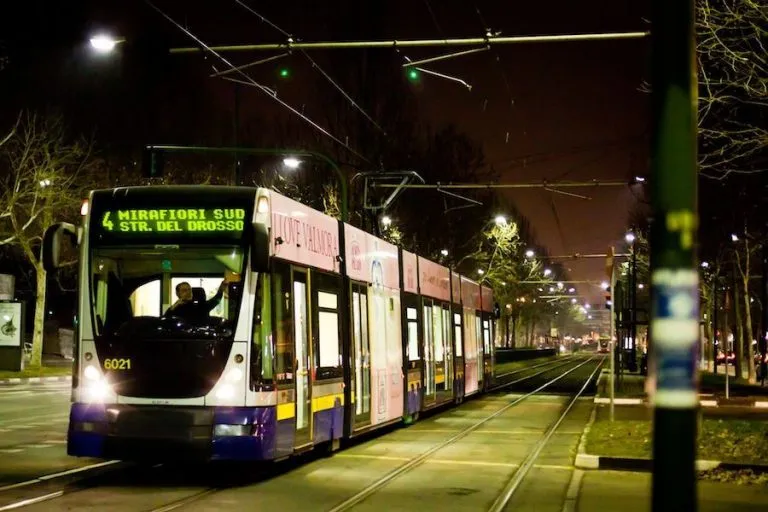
x: 33, y: 426
x: 466, y: 474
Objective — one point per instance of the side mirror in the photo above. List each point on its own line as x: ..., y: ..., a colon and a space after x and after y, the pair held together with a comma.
x: 51, y: 249
x: 260, y: 248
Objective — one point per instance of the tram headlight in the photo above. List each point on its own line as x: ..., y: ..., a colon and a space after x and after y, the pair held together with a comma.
x: 91, y: 373
x: 95, y: 385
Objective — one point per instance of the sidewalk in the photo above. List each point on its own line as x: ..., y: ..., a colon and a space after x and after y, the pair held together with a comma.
x: 54, y: 369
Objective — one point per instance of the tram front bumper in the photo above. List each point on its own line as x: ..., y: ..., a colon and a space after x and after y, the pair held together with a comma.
x: 130, y: 432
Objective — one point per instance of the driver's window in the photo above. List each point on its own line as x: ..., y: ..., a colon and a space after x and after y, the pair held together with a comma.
x: 145, y: 300
x: 211, y: 287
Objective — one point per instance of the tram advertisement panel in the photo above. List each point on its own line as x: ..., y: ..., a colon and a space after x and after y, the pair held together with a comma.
x: 410, y: 275
x: 303, y: 235
x: 470, y: 294
x: 434, y: 280
x: 371, y: 260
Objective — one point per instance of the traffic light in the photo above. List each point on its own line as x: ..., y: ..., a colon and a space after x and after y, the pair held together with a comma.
x: 413, y: 74
x: 284, y: 73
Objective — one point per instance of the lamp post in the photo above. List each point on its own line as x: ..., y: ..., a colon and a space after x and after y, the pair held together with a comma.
x: 630, y: 238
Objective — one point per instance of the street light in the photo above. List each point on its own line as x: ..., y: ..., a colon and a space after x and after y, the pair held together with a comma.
x: 560, y: 286
x: 547, y: 272
x: 571, y: 290
x: 480, y: 271
x: 629, y: 237
x: 291, y: 162
x: 500, y: 220
x: 529, y: 253
x: 104, y: 43
x: 444, y: 252
x: 386, y: 220
x: 704, y: 264
x: 734, y: 237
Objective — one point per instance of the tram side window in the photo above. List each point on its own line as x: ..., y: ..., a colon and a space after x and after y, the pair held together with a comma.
x: 284, y: 349
x: 328, y: 329
x: 262, y: 374
x: 457, y: 334
x: 413, y: 334
x: 486, y: 337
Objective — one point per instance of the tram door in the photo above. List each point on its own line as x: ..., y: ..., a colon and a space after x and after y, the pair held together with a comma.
x: 301, y: 346
x: 361, y: 355
x: 429, y: 354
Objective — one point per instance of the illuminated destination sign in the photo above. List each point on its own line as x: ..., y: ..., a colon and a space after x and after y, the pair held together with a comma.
x: 173, y: 220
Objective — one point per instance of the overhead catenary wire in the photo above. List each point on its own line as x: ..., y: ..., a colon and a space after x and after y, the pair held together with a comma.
x: 251, y: 82
x: 316, y: 66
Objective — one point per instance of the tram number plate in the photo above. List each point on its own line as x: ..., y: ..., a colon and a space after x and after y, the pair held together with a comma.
x: 117, y: 364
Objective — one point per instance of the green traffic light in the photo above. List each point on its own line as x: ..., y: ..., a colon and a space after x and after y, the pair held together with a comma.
x: 413, y: 74
x: 284, y: 73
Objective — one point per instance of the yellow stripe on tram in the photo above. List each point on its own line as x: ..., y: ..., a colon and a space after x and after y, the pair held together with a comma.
x: 286, y: 411
x: 322, y: 403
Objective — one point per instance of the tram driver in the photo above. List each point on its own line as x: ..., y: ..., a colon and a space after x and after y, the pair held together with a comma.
x: 192, y: 308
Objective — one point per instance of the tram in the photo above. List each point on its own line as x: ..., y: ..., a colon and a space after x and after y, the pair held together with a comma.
x: 233, y: 323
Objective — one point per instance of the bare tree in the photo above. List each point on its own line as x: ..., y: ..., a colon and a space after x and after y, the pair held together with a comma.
x: 42, y: 174
x: 744, y: 261
x: 733, y: 74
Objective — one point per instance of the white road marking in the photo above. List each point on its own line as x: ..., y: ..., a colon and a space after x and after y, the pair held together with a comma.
x: 10, y: 450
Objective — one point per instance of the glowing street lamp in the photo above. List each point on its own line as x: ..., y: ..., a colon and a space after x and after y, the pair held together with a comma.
x: 386, y: 220
x: 629, y: 237
x: 529, y: 253
x: 104, y: 43
x: 444, y: 252
x: 291, y: 162
x: 547, y: 272
x: 500, y: 220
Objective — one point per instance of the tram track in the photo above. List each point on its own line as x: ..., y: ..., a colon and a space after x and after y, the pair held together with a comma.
x: 51, y: 489
x: 417, y: 461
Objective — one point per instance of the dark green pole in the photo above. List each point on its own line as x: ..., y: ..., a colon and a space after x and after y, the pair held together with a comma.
x: 236, y: 132
x: 675, y: 308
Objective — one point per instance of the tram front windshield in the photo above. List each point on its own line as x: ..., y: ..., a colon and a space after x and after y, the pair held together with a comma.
x: 171, y: 292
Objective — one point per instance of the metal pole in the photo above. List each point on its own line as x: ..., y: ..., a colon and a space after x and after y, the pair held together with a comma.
x: 714, y: 324
x: 633, y: 315
x: 675, y: 294
x: 236, y: 121
x: 563, y: 184
x: 411, y: 43
x: 613, y: 339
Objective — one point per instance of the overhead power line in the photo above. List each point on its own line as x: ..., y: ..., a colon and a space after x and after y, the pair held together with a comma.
x: 412, y: 43
x: 251, y: 82
x: 563, y: 184
x: 316, y: 66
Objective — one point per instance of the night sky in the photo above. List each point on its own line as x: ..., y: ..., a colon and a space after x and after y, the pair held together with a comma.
x: 551, y: 111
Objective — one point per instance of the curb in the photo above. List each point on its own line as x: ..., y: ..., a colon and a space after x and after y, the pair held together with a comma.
x: 703, y: 403
x: 16, y: 381
x: 587, y: 461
